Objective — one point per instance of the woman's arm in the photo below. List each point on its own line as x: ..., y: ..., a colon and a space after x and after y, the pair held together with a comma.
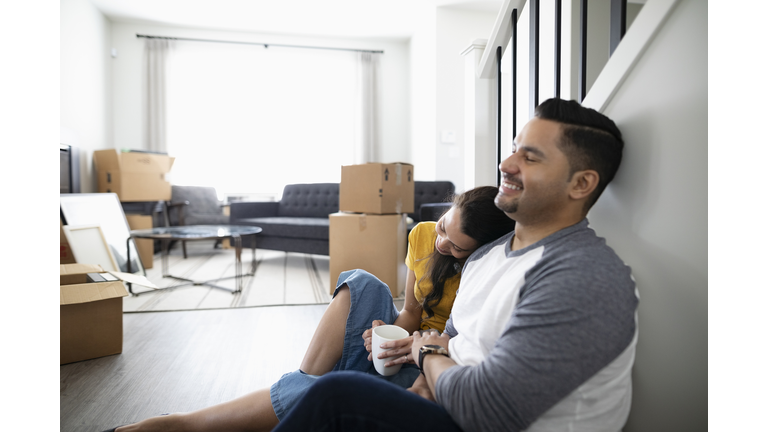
x: 421, y: 388
x: 410, y: 315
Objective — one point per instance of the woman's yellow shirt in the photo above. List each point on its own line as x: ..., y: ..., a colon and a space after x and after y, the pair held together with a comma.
x: 421, y: 244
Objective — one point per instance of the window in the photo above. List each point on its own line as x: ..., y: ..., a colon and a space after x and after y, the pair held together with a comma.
x: 247, y: 119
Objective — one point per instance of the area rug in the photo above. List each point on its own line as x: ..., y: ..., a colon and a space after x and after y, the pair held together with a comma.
x: 281, y: 278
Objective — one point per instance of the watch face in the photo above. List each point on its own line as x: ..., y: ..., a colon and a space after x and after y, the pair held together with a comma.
x: 430, y: 349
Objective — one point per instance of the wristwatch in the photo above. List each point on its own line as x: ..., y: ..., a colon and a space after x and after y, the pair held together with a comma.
x: 430, y: 349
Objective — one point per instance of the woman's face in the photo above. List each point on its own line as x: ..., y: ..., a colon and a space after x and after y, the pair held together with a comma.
x: 450, y: 240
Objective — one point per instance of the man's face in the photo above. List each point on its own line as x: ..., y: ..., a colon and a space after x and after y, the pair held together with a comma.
x: 535, y: 177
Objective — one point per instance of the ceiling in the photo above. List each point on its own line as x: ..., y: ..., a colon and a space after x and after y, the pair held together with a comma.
x: 389, y: 19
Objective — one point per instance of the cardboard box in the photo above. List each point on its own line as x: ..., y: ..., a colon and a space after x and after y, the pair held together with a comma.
x: 91, y: 314
x: 133, y: 176
x: 65, y: 252
x: 146, y: 247
x: 375, y: 243
x: 376, y: 188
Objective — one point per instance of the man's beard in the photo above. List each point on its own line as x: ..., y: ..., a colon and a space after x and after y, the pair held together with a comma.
x: 508, y: 207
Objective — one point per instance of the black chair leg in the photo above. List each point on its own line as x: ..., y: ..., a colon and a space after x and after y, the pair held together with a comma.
x: 184, y: 248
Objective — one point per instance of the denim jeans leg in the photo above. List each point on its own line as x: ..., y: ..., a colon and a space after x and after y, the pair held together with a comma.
x: 354, y: 401
x: 370, y: 299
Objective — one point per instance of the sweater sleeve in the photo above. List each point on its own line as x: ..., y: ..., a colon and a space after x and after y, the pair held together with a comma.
x: 450, y: 329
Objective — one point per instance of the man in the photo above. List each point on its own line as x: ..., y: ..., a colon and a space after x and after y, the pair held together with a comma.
x: 543, y: 330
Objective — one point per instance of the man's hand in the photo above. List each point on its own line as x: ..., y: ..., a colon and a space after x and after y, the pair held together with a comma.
x: 421, y: 388
x: 430, y: 337
x: 437, y: 364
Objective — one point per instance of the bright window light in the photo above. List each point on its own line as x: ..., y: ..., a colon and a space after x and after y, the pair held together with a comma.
x: 248, y: 120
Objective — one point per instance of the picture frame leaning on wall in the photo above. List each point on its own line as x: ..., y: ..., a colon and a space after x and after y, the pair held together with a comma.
x: 103, y: 210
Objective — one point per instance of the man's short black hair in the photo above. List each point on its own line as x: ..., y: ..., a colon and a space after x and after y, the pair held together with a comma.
x: 590, y: 140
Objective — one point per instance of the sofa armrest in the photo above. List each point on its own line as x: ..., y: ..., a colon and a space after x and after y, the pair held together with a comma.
x: 433, y: 211
x: 246, y: 210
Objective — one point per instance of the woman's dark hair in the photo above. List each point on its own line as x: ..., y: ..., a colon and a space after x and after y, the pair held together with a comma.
x: 481, y: 220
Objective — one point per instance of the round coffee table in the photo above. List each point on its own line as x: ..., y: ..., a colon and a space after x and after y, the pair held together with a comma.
x: 201, y: 232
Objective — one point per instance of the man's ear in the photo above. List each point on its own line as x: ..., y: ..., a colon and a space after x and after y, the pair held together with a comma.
x: 583, y: 183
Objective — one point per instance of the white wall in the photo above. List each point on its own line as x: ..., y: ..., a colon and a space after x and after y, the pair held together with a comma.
x: 598, y: 38
x: 86, y: 81
x: 455, y: 30
x: 423, y: 90
x: 654, y: 215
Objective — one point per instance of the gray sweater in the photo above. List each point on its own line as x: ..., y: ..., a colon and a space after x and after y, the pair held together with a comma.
x: 531, y: 327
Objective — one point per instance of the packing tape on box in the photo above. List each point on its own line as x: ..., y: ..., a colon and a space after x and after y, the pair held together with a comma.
x: 398, y: 176
x: 399, y: 206
x: 363, y: 222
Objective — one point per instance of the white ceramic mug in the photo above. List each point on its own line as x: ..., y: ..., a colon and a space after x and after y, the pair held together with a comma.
x: 383, y: 334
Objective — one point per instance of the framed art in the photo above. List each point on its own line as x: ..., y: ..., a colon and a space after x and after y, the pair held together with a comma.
x: 89, y: 246
x: 103, y: 210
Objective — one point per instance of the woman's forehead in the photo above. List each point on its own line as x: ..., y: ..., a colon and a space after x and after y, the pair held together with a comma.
x: 452, y: 226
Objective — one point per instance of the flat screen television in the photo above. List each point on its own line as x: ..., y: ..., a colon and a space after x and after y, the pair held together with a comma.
x: 69, y: 170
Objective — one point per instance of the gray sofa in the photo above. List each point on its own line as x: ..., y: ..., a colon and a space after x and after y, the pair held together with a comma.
x: 299, y: 221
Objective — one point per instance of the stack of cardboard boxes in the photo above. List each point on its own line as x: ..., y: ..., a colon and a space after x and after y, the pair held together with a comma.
x: 135, y: 176
x: 369, y: 231
x: 91, y: 300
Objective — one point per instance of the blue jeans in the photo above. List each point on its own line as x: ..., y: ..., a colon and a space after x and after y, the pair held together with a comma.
x: 370, y: 299
x: 354, y: 401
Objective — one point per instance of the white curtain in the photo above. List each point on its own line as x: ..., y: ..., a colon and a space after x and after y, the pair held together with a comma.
x: 366, y: 124
x: 156, y: 52
x: 248, y: 119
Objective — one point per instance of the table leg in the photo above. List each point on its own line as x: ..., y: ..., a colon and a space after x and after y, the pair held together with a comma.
x: 128, y: 257
x: 253, y: 256
x: 165, y: 246
x: 238, y: 262
x: 237, y: 239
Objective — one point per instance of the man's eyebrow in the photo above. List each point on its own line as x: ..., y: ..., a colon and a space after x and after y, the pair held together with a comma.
x: 533, y: 150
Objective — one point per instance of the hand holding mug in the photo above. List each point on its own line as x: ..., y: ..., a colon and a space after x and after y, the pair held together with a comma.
x: 398, y: 351
x: 383, y: 335
x: 367, y: 337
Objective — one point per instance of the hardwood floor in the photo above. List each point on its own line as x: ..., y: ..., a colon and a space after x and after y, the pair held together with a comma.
x: 183, y: 361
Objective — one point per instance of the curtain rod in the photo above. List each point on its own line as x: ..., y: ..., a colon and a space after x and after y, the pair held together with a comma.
x: 266, y: 45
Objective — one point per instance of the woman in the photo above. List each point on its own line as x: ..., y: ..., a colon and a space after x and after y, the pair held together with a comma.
x: 436, y: 253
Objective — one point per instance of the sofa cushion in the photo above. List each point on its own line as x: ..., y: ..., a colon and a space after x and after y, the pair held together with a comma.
x: 205, y: 219
x: 430, y: 192
x: 291, y: 227
x: 309, y: 200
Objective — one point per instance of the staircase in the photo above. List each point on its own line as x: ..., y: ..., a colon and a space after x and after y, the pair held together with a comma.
x: 572, y: 49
